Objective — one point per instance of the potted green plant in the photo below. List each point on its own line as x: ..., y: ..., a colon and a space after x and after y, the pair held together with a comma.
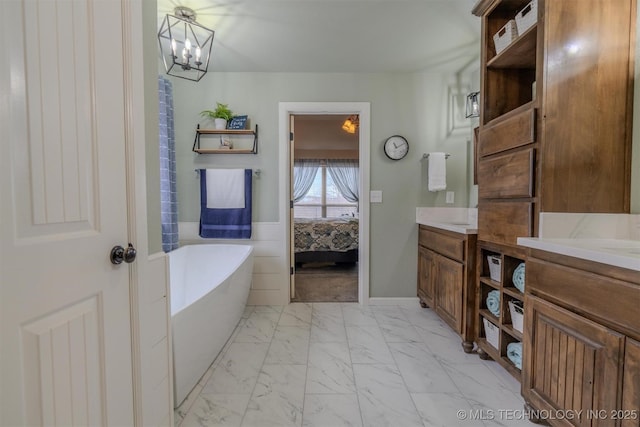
x: 221, y: 115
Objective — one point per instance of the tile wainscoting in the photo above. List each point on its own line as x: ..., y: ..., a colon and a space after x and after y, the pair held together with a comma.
x: 270, y: 279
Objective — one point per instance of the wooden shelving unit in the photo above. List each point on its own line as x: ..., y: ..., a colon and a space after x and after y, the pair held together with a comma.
x: 234, y: 132
x: 537, y: 134
x: 508, y: 292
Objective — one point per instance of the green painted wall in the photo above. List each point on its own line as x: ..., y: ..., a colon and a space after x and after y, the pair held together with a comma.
x: 413, y: 105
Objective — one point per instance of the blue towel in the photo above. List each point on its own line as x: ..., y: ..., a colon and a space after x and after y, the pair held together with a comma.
x: 514, y: 353
x: 225, y: 223
x: 518, y: 277
x: 493, y: 302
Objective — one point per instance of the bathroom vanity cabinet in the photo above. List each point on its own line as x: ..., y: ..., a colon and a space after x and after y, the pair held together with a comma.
x: 581, y: 340
x: 548, y: 140
x: 446, y: 265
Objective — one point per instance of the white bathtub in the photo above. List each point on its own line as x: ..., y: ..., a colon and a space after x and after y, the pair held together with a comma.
x: 209, y: 290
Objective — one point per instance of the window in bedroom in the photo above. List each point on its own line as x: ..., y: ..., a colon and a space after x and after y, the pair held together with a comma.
x: 324, y: 200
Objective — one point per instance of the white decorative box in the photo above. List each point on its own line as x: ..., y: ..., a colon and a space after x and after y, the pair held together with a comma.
x: 495, y: 263
x: 491, y: 333
x: 517, y: 316
x: 505, y: 36
x: 527, y: 17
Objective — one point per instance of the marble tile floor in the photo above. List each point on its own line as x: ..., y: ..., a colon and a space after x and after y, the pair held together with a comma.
x: 343, y: 364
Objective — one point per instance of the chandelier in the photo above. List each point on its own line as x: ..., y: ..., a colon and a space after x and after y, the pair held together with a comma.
x: 185, y: 45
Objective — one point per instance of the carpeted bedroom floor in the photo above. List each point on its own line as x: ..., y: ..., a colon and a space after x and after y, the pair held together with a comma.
x: 326, y: 282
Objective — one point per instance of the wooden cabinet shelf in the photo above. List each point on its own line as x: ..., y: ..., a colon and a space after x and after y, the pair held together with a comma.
x: 514, y: 292
x: 488, y: 350
x: 510, y: 367
x: 197, y: 148
x: 488, y: 315
x: 508, y: 292
x: 487, y: 281
x: 514, y: 333
x: 521, y: 53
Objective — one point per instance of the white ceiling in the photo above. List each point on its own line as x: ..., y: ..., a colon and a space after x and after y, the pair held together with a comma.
x: 337, y: 35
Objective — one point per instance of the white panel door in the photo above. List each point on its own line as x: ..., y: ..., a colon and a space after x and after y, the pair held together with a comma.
x: 65, y: 308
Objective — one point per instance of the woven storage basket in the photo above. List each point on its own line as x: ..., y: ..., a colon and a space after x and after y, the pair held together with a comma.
x: 527, y: 17
x: 505, y: 36
x: 494, y: 267
x: 517, y: 315
x: 491, y: 332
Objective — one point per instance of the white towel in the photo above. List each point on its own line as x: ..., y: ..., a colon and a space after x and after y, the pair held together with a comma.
x: 225, y: 189
x: 437, y: 172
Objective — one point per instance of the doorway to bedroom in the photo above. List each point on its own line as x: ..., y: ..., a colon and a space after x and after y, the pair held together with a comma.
x: 326, y: 201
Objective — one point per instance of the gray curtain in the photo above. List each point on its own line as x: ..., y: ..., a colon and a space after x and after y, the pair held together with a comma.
x: 345, y: 176
x: 168, y: 190
x: 304, y: 172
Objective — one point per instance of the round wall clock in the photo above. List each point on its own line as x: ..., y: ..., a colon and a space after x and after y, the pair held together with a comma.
x: 396, y: 147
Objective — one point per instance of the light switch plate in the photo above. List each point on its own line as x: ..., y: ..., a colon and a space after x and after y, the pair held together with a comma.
x: 375, y: 196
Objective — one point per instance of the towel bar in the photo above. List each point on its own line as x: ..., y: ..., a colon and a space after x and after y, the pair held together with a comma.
x: 256, y: 172
x: 426, y: 156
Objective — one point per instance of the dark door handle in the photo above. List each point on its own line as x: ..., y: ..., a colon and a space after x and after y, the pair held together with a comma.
x: 130, y: 254
x: 119, y: 254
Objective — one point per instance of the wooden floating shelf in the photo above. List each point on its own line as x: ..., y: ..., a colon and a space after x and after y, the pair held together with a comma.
x: 238, y: 132
x: 221, y: 151
x: 226, y: 131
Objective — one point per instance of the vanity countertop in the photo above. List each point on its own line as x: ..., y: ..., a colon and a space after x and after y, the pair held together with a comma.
x: 458, y: 220
x: 612, y: 239
x: 616, y: 252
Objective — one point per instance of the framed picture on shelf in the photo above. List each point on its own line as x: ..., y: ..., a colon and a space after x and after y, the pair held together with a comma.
x: 237, y: 122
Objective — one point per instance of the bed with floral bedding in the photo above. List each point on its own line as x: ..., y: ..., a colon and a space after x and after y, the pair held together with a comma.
x: 326, y: 240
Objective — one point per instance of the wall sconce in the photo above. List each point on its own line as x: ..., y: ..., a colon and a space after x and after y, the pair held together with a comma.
x: 351, y: 124
x: 185, y: 45
x: 473, y: 105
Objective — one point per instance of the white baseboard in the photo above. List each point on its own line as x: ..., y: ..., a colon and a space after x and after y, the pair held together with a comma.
x: 393, y: 301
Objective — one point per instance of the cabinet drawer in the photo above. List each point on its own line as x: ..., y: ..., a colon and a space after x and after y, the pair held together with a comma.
x: 446, y: 245
x: 513, y: 132
x: 508, y: 175
x: 504, y: 222
x: 585, y: 292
